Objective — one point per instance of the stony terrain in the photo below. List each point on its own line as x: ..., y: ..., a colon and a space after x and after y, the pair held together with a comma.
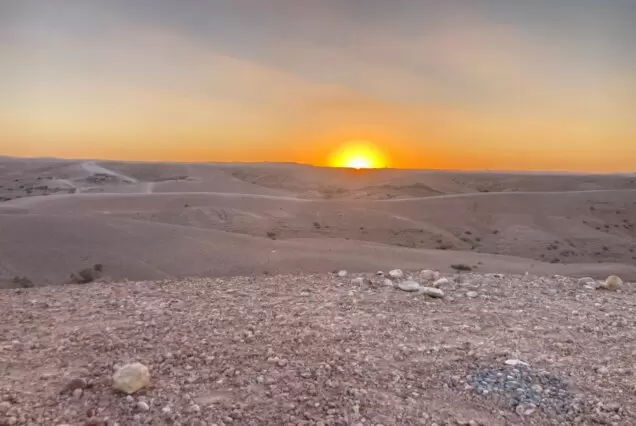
x: 336, y: 349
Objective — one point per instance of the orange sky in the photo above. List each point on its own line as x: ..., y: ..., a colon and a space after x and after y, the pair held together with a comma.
x: 473, y: 90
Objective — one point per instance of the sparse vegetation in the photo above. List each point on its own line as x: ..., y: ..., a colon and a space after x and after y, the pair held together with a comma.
x: 87, y: 275
x: 23, y: 282
x: 271, y: 235
x: 317, y: 225
x: 460, y: 267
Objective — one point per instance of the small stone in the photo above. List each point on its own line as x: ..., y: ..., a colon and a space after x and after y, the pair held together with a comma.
x: 194, y: 408
x: 409, y: 285
x: 142, y: 406
x: 612, y: 283
x: 525, y: 410
x: 396, y: 274
x: 130, y: 399
x: 516, y: 362
x: 428, y: 275
x: 4, y: 406
x: 602, y: 370
x: 432, y: 292
x: 77, y: 393
x: 357, y: 281
x: 131, y: 378
x: 537, y: 388
x: 73, y: 384
x: 342, y: 273
x: 166, y: 410
x: 281, y: 362
x: 441, y: 282
x: 388, y: 282
x: 12, y: 421
x: 472, y: 294
x: 586, y: 281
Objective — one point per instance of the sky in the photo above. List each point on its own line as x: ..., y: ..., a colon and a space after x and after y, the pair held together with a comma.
x: 457, y: 84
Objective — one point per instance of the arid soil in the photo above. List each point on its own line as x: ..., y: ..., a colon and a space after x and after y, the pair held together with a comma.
x: 149, y: 221
x: 321, y: 350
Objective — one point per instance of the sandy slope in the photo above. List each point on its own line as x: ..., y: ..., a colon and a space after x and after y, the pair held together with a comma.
x: 147, y: 220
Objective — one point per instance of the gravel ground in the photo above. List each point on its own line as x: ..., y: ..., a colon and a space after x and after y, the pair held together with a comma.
x: 320, y: 350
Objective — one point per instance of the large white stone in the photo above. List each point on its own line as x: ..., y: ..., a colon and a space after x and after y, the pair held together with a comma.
x: 432, y: 292
x: 131, y: 378
x: 409, y: 285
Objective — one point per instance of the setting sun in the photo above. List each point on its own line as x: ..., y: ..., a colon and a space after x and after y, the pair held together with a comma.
x: 358, y: 155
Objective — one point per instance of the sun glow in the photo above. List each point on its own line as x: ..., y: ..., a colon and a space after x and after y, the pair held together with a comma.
x: 358, y: 155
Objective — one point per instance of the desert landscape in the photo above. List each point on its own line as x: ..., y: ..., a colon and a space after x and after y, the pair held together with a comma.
x: 145, y: 221
x: 264, y: 293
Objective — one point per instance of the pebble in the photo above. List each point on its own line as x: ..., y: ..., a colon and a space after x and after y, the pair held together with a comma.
x: 515, y: 362
x: 525, y: 409
x: 429, y: 275
x: 472, y: 294
x: 342, y: 273
x: 142, y: 406
x: 166, y: 410
x: 441, y: 282
x: 602, y: 370
x: 77, y: 393
x: 409, y: 285
x: 432, y: 292
x: 388, y: 282
x: 357, y: 281
x: 396, y: 273
x: 586, y: 280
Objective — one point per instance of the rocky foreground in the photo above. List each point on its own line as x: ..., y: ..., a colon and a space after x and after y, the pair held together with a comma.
x: 321, y: 349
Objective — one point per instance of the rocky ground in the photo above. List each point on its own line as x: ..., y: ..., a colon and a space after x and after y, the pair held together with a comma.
x: 322, y: 350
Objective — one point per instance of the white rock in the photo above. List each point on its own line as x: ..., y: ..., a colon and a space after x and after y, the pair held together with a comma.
x: 166, y: 410
x: 525, y: 409
x: 396, y: 273
x: 612, y: 283
x: 602, y: 370
x: 586, y: 280
x: 409, y: 285
x: 432, y: 292
x: 142, y: 406
x: 441, y: 282
x: 388, y: 282
x: 77, y: 393
x: 428, y: 275
x: 342, y: 273
x: 472, y: 294
x: 357, y: 281
x: 131, y: 377
x: 515, y: 362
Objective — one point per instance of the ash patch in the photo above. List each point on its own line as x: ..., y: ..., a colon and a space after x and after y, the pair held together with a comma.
x: 524, y: 389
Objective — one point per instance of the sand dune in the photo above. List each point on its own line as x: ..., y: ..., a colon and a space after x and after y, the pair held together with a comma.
x: 147, y: 221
